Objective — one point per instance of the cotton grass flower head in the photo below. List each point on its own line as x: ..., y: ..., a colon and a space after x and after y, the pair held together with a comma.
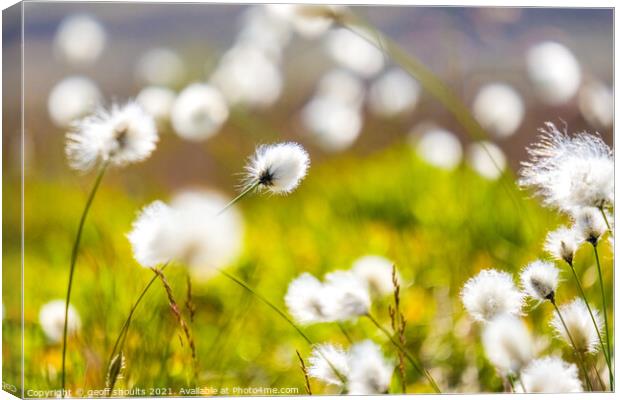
x: 346, y: 296
x: 570, y: 172
x: 247, y: 76
x: 80, y: 40
x: 507, y: 344
x: 589, y: 224
x: 188, y: 231
x: 596, y: 103
x: 554, y: 72
x: 487, y: 159
x: 353, y: 50
x: 324, y: 359
x: 491, y: 293
x: 198, y: 112
x: 157, y: 101
x: 539, y: 280
x: 304, y: 300
x: 160, y: 66
x: 393, y: 93
x: 52, y: 320
x: 369, y: 371
x: 308, y: 20
x: 71, y: 99
x: 550, y: 375
x: 562, y: 244
x: 121, y: 135
x: 579, y: 324
x: 437, y: 146
x: 277, y: 168
x: 499, y: 109
x: 376, y: 271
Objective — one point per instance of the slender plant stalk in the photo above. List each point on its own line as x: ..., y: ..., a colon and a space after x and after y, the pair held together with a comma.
x: 605, y: 218
x: 344, y: 332
x: 239, y: 197
x: 416, y: 364
x: 74, y: 254
x: 598, y: 332
x: 521, y: 383
x: 572, y: 342
x: 600, y: 281
x: 305, y: 372
x: 285, y: 317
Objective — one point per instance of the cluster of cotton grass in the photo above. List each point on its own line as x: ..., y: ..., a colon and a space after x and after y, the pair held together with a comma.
x: 573, y: 174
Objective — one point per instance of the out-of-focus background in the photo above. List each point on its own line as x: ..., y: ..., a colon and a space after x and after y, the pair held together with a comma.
x: 393, y: 173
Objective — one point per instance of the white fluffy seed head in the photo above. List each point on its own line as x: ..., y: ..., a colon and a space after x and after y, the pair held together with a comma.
x: 52, y: 320
x: 491, y: 293
x: 579, y: 323
x: 539, y: 280
x: 393, y: 93
x: 324, y: 359
x: 499, y: 109
x: 562, y: 244
x: 278, y: 168
x: 80, y: 40
x: 507, y: 344
x: 198, y: 112
x: 554, y: 71
x: 188, y: 231
x: 487, y: 159
x: 569, y: 172
x: 589, y: 224
x: 121, y: 136
x: 308, y: 20
x: 550, y: 375
x: 305, y: 301
x: 346, y: 296
x: 71, y: 99
x: 369, y: 371
x: 376, y: 271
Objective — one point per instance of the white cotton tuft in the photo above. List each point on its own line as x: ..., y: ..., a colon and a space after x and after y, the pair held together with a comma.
x: 579, y: 323
x: 278, y: 168
x: 562, y: 244
x: 570, y: 172
x: 52, y: 320
x: 507, y: 344
x: 369, y: 371
x: 487, y: 159
x: 80, y: 40
x: 122, y: 135
x: 376, y: 271
x: 539, y: 280
x: 491, y: 293
x: 499, y: 109
x: 554, y: 72
x: 308, y: 20
x: 329, y: 363
x: 199, y: 112
x: 160, y: 67
x: 305, y: 301
x: 71, y: 99
x: 146, y: 230
x: 550, y: 375
x: 347, y: 296
x: 589, y: 224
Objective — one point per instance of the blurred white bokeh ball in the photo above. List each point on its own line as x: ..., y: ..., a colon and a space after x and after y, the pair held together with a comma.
x: 487, y: 159
x: 499, y: 109
x: 393, y: 93
x: 198, y: 112
x: 437, y: 146
x: 554, y: 72
x: 157, y: 101
x: 80, y: 40
x: 72, y: 98
x: 160, y: 66
x: 596, y: 103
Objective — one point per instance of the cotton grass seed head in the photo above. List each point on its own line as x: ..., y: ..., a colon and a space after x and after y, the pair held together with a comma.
x: 569, y: 172
x: 491, y: 293
x: 277, y: 168
x: 589, y: 224
x: 198, y: 112
x: 539, y: 280
x: 498, y: 107
x: 122, y: 135
x: 507, y: 344
x: 562, y: 244
x: 324, y: 359
x: 579, y: 324
x: 550, y: 375
x: 369, y: 371
x: 376, y: 271
x: 52, y: 320
x: 80, y: 40
x: 347, y: 296
x: 305, y: 301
